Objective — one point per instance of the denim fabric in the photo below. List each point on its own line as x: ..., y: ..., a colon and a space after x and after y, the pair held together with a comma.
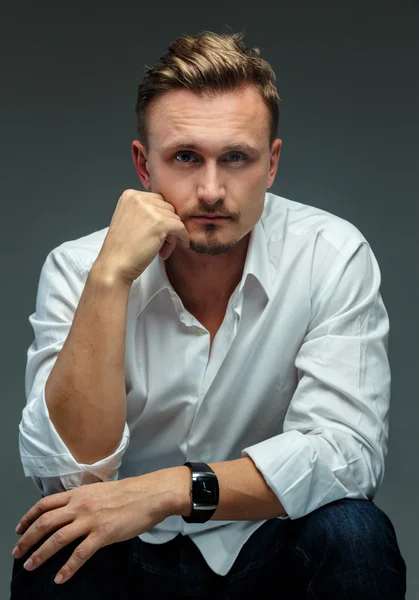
x: 345, y: 550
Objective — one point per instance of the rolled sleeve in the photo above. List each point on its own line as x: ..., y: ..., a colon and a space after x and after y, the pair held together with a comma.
x: 335, y: 432
x: 45, y: 457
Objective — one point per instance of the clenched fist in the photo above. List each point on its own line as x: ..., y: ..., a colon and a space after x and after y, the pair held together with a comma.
x: 142, y: 226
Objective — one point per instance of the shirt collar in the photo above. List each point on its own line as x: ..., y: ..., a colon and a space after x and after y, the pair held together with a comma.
x: 257, y: 260
x: 154, y: 279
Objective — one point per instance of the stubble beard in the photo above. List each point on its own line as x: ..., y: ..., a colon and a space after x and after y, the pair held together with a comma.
x: 210, y: 245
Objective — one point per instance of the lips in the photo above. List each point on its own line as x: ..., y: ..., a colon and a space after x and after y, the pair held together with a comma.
x: 210, y: 220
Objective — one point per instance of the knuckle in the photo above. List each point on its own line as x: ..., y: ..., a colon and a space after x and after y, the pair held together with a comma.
x: 85, y: 503
x: 81, y: 552
x: 157, y: 223
x: 59, y: 538
x: 66, y: 571
x: 43, y: 522
x: 36, y: 560
x: 104, y: 530
x: 43, y: 503
x: 24, y: 522
x: 127, y: 197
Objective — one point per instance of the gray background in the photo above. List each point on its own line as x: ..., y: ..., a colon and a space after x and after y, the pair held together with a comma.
x: 347, y: 73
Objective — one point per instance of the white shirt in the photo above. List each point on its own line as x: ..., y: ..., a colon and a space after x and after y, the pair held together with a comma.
x: 297, y: 378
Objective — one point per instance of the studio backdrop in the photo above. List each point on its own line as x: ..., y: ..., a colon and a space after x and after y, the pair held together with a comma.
x: 347, y: 74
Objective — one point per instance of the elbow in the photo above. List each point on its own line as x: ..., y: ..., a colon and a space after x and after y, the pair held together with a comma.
x: 373, y: 470
x: 356, y: 463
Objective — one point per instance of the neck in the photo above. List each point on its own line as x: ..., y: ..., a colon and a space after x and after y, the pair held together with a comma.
x: 203, y: 281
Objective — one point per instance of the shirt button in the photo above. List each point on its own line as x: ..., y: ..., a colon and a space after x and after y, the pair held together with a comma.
x: 199, y: 331
x: 174, y: 299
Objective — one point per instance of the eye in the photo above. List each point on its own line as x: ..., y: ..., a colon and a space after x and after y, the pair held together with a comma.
x: 235, y: 157
x: 186, y: 157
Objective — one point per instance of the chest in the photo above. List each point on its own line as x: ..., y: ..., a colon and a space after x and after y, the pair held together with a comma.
x: 188, y: 395
x: 211, y: 320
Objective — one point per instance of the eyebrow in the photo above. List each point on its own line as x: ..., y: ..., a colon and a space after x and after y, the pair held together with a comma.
x: 236, y: 147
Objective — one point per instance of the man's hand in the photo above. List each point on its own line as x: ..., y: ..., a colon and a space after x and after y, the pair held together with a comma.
x: 103, y: 512
x: 142, y: 226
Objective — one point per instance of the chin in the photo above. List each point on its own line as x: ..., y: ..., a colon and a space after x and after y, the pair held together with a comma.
x: 212, y: 248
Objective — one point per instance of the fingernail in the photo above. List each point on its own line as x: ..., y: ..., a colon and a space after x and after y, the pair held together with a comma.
x: 15, y: 552
x: 59, y: 578
x: 28, y: 564
x: 19, y: 528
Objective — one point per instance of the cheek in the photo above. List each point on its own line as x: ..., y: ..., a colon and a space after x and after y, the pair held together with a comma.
x: 263, y: 174
x: 256, y: 176
x: 167, y: 182
x: 255, y: 187
x: 175, y: 193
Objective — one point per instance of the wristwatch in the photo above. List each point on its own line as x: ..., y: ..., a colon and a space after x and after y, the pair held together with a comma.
x: 204, y: 492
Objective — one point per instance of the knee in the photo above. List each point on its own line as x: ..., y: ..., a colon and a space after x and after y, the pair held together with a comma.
x: 351, y: 545
x: 347, y: 529
x: 357, y: 524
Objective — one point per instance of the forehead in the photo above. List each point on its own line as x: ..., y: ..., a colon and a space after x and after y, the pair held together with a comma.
x: 223, y: 117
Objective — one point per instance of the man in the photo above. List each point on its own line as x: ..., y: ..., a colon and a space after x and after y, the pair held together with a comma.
x: 208, y: 388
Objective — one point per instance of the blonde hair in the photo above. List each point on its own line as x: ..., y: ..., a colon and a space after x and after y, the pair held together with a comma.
x: 208, y: 63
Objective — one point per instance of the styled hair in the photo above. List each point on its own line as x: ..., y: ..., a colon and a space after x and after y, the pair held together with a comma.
x: 208, y: 64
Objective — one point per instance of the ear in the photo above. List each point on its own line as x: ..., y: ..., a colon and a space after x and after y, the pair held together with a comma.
x: 139, y: 156
x: 273, y: 161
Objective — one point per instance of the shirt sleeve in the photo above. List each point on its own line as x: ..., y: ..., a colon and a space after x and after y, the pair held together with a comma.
x: 335, y: 432
x: 45, y: 457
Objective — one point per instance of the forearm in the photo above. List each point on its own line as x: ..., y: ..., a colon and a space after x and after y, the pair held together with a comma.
x: 244, y: 494
x: 85, y: 391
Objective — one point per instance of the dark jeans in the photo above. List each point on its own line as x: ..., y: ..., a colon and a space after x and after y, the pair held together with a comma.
x: 344, y: 550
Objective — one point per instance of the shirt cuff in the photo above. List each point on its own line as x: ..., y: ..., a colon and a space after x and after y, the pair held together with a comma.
x: 44, y: 454
x: 291, y: 467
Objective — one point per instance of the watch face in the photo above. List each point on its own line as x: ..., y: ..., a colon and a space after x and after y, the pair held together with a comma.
x: 205, y: 489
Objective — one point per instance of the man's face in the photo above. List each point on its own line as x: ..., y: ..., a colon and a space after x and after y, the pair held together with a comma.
x: 210, y: 156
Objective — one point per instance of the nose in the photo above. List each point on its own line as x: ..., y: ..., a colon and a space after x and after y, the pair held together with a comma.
x: 210, y: 186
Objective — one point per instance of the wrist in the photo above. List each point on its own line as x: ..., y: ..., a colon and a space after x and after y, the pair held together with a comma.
x: 177, y: 497
x: 205, y: 492
x: 102, y: 272
x: 164, y: 493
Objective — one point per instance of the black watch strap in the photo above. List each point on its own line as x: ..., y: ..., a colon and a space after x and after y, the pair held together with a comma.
x: 204, y: 492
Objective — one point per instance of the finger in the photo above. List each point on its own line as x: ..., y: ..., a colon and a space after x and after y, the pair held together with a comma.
x: 163, y: 204
x: 174, y: 215
x: 45, y: 504
x: 47, y: 523
x: 170, y: 215
x: 168, y: 246
x: 179, y: 230
x: 81, y: 554
x: 56, y: 542
x: 158, y: 201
